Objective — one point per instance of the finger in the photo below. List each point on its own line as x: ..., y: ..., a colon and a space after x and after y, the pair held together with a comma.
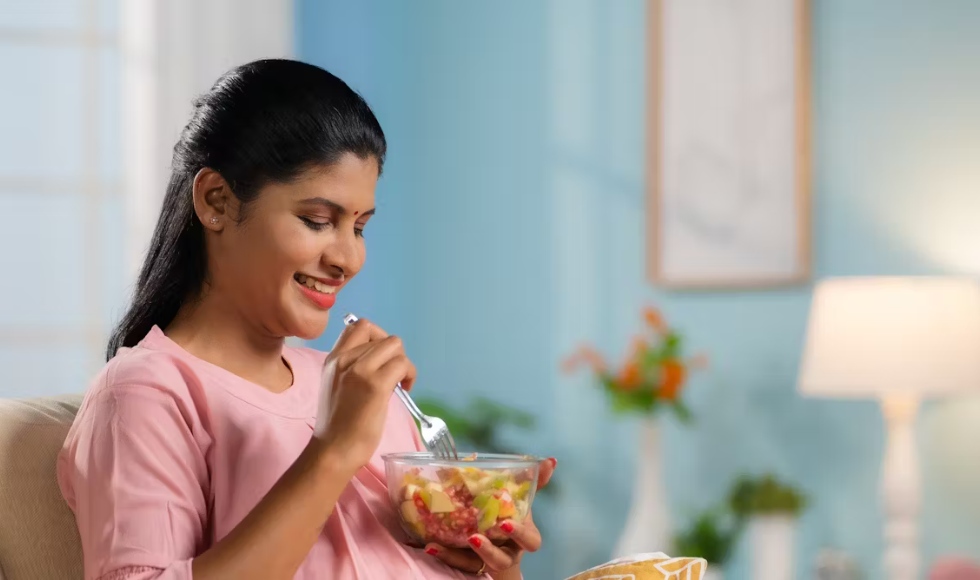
x: 465, y: 560
x: 346, y: 358
x: 526, y: 535
x: 358, y: 333
x: 546, y: 470
x: 379, y: 353
x: 398, y: 369
x: 497, y: 558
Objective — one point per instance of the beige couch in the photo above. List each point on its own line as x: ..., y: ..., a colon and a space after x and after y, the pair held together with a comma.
x: 38, y: 537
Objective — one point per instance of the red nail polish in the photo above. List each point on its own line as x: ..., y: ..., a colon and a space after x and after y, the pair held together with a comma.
x: 554, y: 462
x: 431, y: 551
x: 507, y: 527
x: 476, y: 542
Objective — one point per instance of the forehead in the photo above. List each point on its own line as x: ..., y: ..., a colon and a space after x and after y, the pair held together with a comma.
x: 349, y: 182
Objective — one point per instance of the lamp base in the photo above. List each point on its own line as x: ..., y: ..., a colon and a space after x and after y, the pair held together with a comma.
x: 900, y: 489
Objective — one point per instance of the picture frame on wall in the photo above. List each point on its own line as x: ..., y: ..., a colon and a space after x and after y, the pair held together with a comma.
x: 728, y: 144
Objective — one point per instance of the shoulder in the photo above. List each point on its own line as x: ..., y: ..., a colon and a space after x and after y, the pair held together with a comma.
x: 140, y: 383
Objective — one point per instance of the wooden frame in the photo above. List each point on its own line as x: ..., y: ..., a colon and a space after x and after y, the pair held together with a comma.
x: 715, y: 273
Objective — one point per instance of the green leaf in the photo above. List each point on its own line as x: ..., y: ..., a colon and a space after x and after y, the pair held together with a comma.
x: 500, y: 414
x: 458, y: 423
x: 764, y: 495
x: 711, y: 535
x: 682, y: 412
x: 671, y: 346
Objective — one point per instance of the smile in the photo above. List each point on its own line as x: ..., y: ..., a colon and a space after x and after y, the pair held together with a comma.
x: 314, y: 284
x: 321, y: 294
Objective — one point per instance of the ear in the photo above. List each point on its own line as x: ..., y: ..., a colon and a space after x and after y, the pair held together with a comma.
x: 213, y: 199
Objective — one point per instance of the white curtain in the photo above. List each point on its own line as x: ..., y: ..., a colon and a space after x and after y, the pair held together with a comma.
x: 173, y: 51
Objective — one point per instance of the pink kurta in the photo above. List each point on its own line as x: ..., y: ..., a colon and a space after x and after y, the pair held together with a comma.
x: 169, y: 453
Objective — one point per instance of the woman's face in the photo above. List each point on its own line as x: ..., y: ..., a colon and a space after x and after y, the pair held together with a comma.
x: 299, y: 245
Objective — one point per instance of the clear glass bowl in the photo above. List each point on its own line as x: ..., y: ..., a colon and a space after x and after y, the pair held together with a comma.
x: 447, y: 501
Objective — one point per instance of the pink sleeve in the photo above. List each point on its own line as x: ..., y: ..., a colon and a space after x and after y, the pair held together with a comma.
x: 136, y: 477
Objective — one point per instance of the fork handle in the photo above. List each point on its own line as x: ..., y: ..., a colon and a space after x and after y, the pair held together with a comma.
x: 406, y: 400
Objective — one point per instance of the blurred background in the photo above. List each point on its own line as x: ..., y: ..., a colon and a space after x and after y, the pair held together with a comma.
x: 513, y: 226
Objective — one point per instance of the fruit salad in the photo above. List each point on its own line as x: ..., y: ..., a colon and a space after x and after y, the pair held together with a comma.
x: 460, y: 502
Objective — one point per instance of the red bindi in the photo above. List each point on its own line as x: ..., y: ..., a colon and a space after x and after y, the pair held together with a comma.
x: 356, y: 212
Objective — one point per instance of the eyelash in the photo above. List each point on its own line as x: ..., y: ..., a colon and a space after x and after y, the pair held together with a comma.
x: 313, y: 225
x: 319, y: 226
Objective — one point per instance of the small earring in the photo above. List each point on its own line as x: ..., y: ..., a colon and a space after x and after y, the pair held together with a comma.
x: 214, y: 220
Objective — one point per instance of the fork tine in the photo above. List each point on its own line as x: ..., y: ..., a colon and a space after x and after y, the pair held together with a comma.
x: 443, y: 446
x: 452, y: 444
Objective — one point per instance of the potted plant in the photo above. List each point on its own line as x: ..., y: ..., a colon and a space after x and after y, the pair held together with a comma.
x: 770, y: 509
x: 649, y: 381
x: 712, y: 536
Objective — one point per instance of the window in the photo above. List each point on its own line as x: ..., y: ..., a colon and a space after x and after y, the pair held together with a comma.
x: 61, y: 244
x: 94, y: 94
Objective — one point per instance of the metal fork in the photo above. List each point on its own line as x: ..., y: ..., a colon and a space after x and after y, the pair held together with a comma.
x: 435, y: 434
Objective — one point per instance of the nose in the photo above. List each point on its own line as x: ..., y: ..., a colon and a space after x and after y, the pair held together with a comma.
x: 343, y: 255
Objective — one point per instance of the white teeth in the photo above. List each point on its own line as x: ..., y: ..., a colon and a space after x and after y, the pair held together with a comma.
x: 315, y: 284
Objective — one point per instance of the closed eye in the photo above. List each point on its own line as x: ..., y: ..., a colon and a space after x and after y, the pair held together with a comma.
x: 313, y: 224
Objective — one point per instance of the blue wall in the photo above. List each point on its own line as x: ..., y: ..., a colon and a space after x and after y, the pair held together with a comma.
x: 510, y: 228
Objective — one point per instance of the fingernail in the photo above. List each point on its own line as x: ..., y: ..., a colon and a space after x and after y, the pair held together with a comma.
x: 431, y: 551
x: 554, y: 462
x: 507, y: 527
x: 475, y: 542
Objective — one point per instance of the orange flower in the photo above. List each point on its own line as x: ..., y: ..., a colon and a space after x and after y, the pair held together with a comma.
x: 654, y: 320
x: 584, y: 355
x: 629, y: 378
x: 671, y: 379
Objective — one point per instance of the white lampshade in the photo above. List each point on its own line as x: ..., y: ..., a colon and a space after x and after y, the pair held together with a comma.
x: 892, y: 336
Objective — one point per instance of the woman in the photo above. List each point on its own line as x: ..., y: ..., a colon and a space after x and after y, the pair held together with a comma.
x: 206, y: 447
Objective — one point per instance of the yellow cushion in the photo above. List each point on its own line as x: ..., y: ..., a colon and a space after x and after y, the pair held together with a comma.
x: 38, y: 535
x: 647, y: 567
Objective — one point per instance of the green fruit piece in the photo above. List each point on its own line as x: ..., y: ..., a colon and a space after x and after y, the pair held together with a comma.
x: 488, y: 517
x: 522, y: 490
x: 476, y: 483
x: 499, y: 482
x: 481, y: 500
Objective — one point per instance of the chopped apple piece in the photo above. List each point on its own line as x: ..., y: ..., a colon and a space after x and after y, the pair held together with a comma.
x: 410, y: 491
x: 410, y: 512
x: 440, y: 503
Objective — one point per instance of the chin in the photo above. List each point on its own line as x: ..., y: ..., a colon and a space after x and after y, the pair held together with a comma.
x: 309, y: 327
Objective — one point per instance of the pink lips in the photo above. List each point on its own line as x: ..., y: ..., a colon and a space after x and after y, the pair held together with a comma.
x: 320, y: 299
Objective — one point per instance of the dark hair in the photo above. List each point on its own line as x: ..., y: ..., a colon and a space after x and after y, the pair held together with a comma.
x: 262, y: 122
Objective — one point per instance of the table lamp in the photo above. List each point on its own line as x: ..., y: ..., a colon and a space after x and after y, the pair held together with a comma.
x: 898, y: 340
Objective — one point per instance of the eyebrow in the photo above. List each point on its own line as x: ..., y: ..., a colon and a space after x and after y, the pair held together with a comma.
x: 334, y: 205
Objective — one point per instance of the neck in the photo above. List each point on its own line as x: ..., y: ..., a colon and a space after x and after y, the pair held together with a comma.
x: 213, y: 330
